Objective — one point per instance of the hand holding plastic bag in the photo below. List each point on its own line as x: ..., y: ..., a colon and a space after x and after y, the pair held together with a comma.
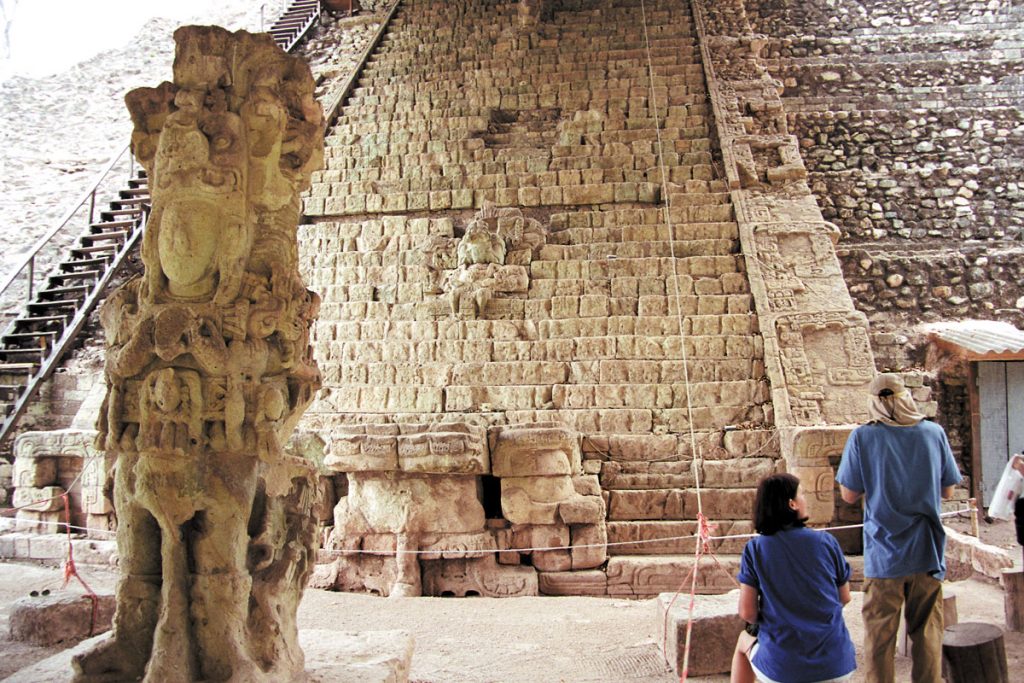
x: 1009, y: 489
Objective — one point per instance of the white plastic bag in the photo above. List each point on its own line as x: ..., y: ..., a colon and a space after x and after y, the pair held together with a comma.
x: 1010, y: 487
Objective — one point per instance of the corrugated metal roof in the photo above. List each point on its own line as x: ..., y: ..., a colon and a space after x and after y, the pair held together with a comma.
x: 981, y: 336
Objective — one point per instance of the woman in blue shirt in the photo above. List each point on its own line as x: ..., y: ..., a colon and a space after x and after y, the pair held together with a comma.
x: 794, y: 582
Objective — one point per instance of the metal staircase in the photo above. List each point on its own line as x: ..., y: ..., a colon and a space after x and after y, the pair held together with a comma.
x: 295, y: 22
x: 35, y: 340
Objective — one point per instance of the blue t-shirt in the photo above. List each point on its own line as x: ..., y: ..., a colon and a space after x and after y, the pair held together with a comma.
x: 901, y: 471
x: 802, y: 635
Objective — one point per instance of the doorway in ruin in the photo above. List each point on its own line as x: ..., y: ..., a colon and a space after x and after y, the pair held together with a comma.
x: 1000, y: 388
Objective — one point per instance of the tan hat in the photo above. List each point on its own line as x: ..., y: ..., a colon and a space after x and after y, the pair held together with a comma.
x: 891, y: 403
x: 886, y: 380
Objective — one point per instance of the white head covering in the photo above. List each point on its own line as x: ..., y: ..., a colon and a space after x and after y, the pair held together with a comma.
x: 891, y: 402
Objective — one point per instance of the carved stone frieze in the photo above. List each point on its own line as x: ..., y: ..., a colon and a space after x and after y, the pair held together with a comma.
x: 43, y: 459
x: 817, y: 352
x: 826, y: 360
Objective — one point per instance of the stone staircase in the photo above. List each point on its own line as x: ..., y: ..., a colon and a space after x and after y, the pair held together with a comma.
x: 634, y: 326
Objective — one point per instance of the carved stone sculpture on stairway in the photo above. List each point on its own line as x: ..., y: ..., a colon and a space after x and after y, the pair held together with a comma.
x: 208, y: 370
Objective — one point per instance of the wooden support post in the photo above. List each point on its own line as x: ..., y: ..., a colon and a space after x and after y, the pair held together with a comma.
x: 975, y: 531
x: 1013, y: 587
x: 974, y: 652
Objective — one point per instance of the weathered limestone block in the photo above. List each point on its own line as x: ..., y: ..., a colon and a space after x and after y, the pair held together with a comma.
x: 394, y: 502
x: 589, y: 545
x: 646, y: 576
x: 524, y: 451
x: 482, y: 576
x: 582, y: 510
x: 34, y: 472
x: 444, y: 452
x: 46, y: 621
x: 534, y: 500
x: 44, y: 499
x: 589, y: 582
x: 209, y: 368
x: 362, y: 453
x: 456, y: 545
x: 539, y: 536
x: 715, y: 627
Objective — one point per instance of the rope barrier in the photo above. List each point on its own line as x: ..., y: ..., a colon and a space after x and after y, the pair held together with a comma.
x: 610, y: 544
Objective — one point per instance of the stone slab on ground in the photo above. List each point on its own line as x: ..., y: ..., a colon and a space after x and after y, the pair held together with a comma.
x: 62, y: 618
x: 716, y: 626
x: 331, y: 656
x: 348, y: 657
x: 966, y: 554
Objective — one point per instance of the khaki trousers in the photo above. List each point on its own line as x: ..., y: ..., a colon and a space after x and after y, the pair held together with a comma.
x: 922, y: 596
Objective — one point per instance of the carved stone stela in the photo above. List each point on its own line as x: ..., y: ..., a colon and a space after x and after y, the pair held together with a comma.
x: 208, y: 370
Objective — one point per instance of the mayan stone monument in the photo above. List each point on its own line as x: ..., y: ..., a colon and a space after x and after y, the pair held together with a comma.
x: 208, y: 370
x: 578, y: 294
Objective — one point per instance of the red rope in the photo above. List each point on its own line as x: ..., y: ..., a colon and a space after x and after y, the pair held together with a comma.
x: 71, y: 571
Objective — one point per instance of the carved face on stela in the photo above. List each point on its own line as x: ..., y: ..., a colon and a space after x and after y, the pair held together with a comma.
x: 222, y: 155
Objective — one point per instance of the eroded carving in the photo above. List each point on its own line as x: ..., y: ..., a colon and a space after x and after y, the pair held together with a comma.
x: 208, y: 370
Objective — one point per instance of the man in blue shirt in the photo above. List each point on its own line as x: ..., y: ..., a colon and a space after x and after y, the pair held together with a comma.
x: 901, y: 464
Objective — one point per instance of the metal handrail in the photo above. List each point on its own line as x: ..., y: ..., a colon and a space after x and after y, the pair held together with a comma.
x: 313, y: 16
x: 333, y: 110
x: 90, y: 195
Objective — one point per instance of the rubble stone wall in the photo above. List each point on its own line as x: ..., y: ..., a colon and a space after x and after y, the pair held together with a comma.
x: 910, y: 117
x: 911, y: 125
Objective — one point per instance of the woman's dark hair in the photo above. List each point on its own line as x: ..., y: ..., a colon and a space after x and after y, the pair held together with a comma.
x: 771, y: 506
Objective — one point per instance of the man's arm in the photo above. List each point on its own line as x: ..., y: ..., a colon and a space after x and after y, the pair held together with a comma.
x: 947, y: 492
x: 844, y: 593
x: 852, y: 497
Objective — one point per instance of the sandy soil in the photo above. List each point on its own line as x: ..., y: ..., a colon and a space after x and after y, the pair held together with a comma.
x: 514, y: 640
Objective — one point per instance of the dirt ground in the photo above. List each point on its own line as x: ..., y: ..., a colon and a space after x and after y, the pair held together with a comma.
x: 512, y: 640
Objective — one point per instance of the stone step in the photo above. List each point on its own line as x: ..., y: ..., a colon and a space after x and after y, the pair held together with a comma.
x: 396, y: 61
x: 681, y: 503
x: 642, y: 538
x: 666, y: 75
x: 366, y: 109
x: 646, y: 576
x: 608, y: 421
x: 601, y: 99
x: 524, y: 331
x: 717, y: 395
x: 635, y: 250
x: 679, y: 474
x: 338, y: 372
x: 611, y: 218
x: 324, y: 240
x: 658, y: 268
x: 590, y: 185
x: 412, y: 303
x: 572, y: 195
x: 624, y: 348
x: 640, y: 234
x: 471, y: 150
x: 727, y: 445
x: 526, y: 167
